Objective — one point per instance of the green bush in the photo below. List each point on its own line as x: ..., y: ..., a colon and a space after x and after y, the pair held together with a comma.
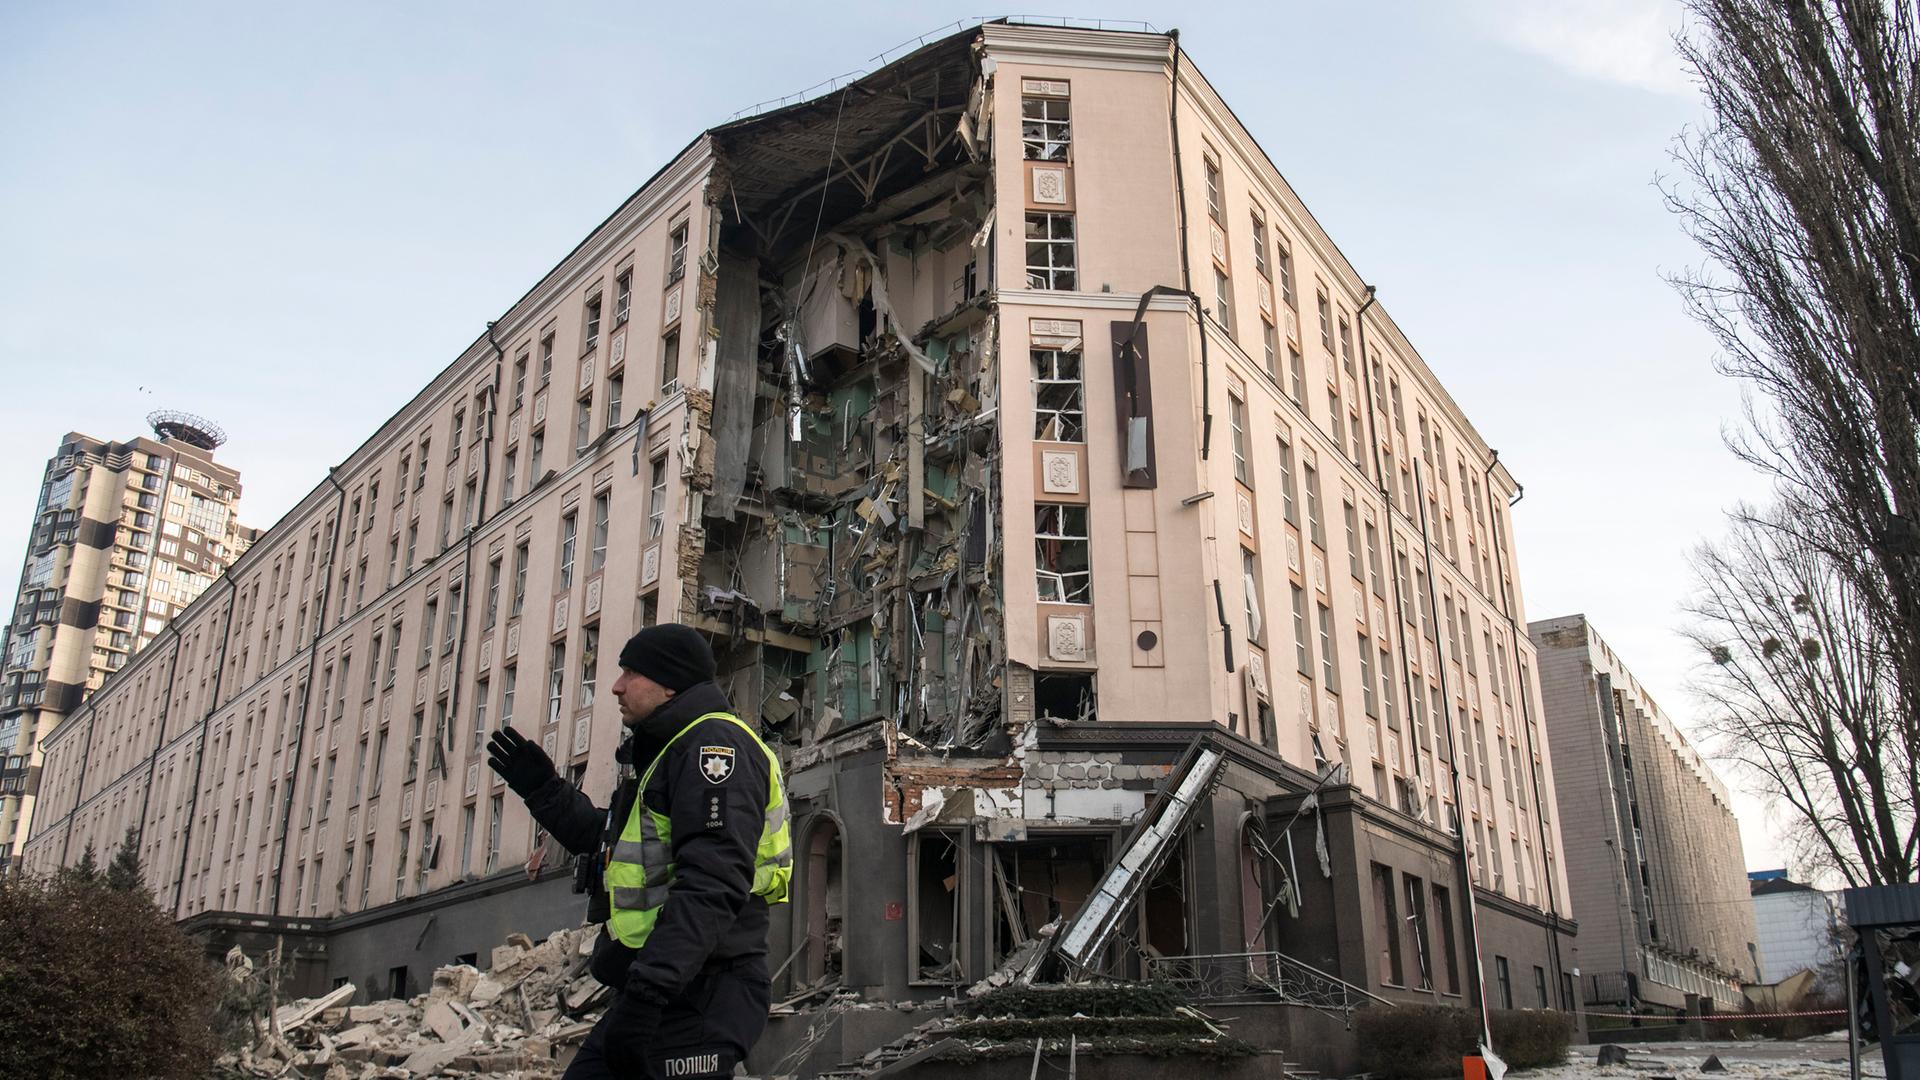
x: 97, y: 981
x: 1417, y: 1042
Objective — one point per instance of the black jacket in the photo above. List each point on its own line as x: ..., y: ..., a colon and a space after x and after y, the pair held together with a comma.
x: 718, y: 804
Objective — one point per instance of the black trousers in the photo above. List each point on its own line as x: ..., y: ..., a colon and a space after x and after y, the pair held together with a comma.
x: 704, y: 1032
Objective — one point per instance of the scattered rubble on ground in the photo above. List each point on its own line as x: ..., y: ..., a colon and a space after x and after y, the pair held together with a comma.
x: 521, y: 1018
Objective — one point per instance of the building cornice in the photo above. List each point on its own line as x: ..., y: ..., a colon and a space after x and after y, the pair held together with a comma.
x: 1061, y: 46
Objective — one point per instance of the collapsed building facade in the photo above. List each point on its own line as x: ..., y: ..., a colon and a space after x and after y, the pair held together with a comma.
x: 1019, y: 440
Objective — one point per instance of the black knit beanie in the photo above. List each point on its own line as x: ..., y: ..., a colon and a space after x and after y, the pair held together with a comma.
x: 670, y: 654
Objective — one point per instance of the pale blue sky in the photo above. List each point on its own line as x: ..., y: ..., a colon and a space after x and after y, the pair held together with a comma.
x: 306, y: 211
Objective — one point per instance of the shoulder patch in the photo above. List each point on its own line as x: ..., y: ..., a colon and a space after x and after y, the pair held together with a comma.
x: 716, y: 763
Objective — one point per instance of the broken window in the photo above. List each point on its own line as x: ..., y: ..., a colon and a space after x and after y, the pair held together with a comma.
x: 1038, y: 881
x: 1163, y: 910
x: 677, y: 253
x: 556, y: 679
x: 1050, y: 252
x: 1387, y: 915
x: 657, y: 499
x: 589, y: 662
x: 1249, y: 579
x: 1417, y: 917
x: 1059, y: 411
x: 1046, y: 133
x: 569, y: 537
x: 670, y: 362
x: 622, y: 298
x: 935, y: 927
x: 1061, y: 554
x: 591, y: 337
x: 1064, y: 695
x: 602, y: 514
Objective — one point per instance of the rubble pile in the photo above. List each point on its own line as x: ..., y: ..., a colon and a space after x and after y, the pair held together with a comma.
x: 1077, y: 1021
x: 522, y: 1018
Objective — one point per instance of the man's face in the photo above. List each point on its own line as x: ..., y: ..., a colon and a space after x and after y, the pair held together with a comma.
x: 639, y: 696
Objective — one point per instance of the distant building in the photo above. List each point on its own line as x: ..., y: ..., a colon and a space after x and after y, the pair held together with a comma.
x: 1654, y: 864
x: 1796, y: 926
x: 125, y: 535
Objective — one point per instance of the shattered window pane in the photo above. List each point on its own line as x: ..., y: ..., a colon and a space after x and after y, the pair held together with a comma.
x: 1061, y: 554
x: 1045, y: 131
x: 1059, y: 414
x: 1050, y: 252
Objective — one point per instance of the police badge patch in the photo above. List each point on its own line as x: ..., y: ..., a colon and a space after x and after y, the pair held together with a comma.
x: 716, y: 763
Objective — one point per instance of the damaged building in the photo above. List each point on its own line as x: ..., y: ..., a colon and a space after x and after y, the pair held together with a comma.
x: 1006, y: 421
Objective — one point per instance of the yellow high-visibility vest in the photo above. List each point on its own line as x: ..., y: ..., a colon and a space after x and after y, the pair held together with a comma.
x: 641, y: 870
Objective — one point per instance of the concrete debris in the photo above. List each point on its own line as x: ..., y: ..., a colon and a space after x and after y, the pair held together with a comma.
x: 522, y: 1018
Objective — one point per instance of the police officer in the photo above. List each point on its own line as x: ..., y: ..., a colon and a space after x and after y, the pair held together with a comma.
x: 691, y: 853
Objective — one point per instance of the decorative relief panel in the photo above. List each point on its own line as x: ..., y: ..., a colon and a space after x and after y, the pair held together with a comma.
x: 486, y: 654
x: 539, y: 408
x: 1265, y: 293
x: 406, y: 803
x: 1066, y: 638
x: 1359, y: 606
x: 582, y: 731
x: 1373, y: 741
x: 1292, y: 322
x: 1046, y: 87
x: 1319, y: 572
x: 1329, y: 713
x: 617, y: 351
x: 420, y: 689
x: 586, y: 374
x: 551, y: 744
x: 473, y: 779
x: 672, y: 311
x: 1303, y: 712
x: 1219, y: 240
x: 591, y: 605
x: 560, y: 614
x: 513, y: 430
x: 1380, y: 614
x: 513, y: 640
x: 1054, y: 333
x: 1257, y: 674
x: 1293, y: 553
x: 446, y: 677
x: 433, y: 796
x: 1059, y: 472
x: 1050, y: 186
x: 650, y: 565
x: 1243, y: 511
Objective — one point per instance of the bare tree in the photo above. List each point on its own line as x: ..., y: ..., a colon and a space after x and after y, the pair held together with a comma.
x: 1804, y: 192
x: 1800, y: 696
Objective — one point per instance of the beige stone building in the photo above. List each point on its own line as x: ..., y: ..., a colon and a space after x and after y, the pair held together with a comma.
x: 1009, y: 424
x: 1654, y: 860
x: 125, y: 535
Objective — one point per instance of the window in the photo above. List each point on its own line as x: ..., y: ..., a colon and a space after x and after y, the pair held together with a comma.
x: 454, y: 610
x: 1270, y: 347
x: 537, y: 451
x: 1288, y: 504
x: 622, y: 298
x: 1315, y: 529
x: 1387, y: 918
x: 393, y: 562
x: 1336, y: 418
x: 420, y: 466
x: 509, y: 473
x: 589, y: 661
x: 591, y: 336
x: 1346, y: 346
x: 1302, y: 651
x: 446, y: 522
x: 509, y: 682
x: 432, y: 621
x: 1443, y: 916
x: 582, y: 425
x: 1061, y: 555
x: 1212, y: 168
x: 1046, y: 133
x: 467, y: 816
x: 1237, y: 421
x: 677, y: 253
x: 1373, y: 560
x: 1058, y: 409
x: 657, y: 499
x: 1249, y: 583
x: 494, y: 809
x: 1223, y: 299
x: 1367, y: 699
x: 602, y: 512
x: 1050, y: 252
x: 1329, y: 674
x: 615, y: 385
x: 556, y: 679
x: 1326, y: 321
x: 670, y: 362
x: 1352, y: 521
x: 1505, y: 979
x: 569, y: 535
x: 1296, y: 376
x: 415, y: 743
x: 459, y: 428
x: 546, y: 358
x: 393, y: 653
x: 519, y: 382
x: 1417, y: 918
x: 1260, y: 247
x: 519, y: 578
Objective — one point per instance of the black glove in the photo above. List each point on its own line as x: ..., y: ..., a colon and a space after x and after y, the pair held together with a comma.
x: 632, y: 1022
x: 522, y: 764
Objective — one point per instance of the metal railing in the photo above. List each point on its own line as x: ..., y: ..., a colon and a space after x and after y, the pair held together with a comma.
x: 1260, y: 976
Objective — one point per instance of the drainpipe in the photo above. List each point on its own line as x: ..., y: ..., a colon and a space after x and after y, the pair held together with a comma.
x: 1526, y: 711
x: 1453, y: 763
x: 306, y: 700
x: 473, y: 528
x: 1186, y: 270
x: 200, y: 751
x: 160, y: 733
